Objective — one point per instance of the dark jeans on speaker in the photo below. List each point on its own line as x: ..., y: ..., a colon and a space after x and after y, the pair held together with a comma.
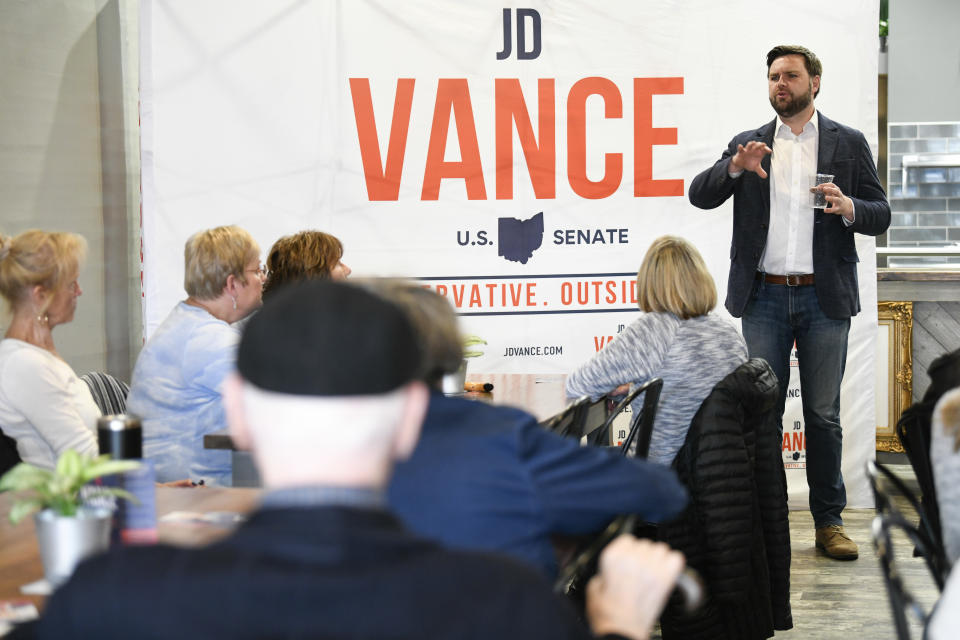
x: 775, y: 317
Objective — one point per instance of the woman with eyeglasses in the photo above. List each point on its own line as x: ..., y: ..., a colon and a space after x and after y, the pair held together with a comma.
x: 44, y: 406
x: 177, y: 378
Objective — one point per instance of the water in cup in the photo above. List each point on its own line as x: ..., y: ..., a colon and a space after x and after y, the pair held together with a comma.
x: 819, y: 198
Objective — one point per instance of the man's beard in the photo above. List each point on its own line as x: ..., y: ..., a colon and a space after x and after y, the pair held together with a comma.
x: 793, y: 106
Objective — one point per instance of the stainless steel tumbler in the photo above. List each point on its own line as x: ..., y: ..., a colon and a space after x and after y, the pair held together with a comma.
x: 121, y: 436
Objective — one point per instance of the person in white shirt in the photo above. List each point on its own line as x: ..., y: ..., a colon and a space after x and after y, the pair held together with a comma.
x: 44, y: 406
x: 793, y: 267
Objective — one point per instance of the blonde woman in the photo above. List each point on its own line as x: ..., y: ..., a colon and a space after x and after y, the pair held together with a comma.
x: 676, y: 338
x: 44, y: 406
x: 179, y: 372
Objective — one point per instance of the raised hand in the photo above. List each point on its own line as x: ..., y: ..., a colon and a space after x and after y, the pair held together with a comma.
x: 748, y: 158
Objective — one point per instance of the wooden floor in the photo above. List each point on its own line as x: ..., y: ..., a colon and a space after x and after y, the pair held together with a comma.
x: 848, y: 600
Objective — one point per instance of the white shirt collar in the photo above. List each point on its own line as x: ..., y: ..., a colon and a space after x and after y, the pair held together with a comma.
x: 813, y: 124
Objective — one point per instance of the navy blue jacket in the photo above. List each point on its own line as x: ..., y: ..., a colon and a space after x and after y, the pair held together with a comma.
x: 842, y: 152
x: 489, y: 477
x: 322, y: 572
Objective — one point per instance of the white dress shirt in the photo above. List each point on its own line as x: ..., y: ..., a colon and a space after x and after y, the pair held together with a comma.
x: 793, y: 166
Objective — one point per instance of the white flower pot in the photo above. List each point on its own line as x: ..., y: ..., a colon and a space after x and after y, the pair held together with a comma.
x: 66, y: 540
x: 452, y: 383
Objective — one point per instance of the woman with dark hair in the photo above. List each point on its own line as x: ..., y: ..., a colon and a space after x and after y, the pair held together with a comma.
x: 303, y: 256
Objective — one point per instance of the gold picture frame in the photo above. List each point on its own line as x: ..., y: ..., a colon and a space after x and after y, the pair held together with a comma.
x: 896, y: 320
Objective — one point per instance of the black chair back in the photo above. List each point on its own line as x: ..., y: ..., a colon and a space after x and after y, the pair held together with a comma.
x: 929, y: 546
x: 573, y: 576
x: 641, y: 426
x: 901, y: 600
x: 9, y: 456
x: 913, y: 431
x: 580, y: 417
x: 572, y: 580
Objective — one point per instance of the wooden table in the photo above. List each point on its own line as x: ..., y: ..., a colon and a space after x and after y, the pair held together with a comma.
x: 540, y: 394
x: 20, y: 558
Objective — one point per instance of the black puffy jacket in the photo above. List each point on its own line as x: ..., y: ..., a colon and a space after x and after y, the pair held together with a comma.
x: 735, y: 531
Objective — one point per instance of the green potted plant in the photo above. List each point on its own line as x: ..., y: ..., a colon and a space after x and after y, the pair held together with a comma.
x: 472, y: 341
x: 452, y: 383
x: 68, y: 529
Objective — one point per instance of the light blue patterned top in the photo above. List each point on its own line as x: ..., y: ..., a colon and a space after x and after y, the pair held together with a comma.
x: 691, y: 356
x: 176, y: 392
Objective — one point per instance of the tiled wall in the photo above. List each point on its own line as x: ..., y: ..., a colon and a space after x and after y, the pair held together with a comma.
x: 926, y: 209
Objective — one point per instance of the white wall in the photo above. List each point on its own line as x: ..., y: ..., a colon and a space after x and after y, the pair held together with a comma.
x: 924, y: 61
x: 56, y: 158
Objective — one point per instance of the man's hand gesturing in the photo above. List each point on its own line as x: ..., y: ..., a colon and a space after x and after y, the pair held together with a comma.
x: 748, y: 158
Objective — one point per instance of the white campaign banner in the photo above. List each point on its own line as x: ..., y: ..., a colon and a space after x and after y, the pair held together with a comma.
x: 517, y: 158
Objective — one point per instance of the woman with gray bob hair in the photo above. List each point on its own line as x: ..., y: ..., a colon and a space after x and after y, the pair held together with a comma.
x: 179, y: 372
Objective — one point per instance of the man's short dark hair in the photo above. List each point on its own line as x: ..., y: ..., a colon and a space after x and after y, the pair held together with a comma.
x: 811, y: 61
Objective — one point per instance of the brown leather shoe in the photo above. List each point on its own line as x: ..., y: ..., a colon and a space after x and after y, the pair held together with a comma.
x: 836, y: 544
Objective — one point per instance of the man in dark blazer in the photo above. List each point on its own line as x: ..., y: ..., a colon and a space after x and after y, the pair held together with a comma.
x: 793, y: 267
x: 326, y: 398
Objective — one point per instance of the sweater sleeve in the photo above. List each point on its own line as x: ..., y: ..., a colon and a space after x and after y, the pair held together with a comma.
x: 40, y: 392
x: 633, y: 356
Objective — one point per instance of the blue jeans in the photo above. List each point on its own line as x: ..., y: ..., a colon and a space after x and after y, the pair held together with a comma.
x: 775, y: 317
